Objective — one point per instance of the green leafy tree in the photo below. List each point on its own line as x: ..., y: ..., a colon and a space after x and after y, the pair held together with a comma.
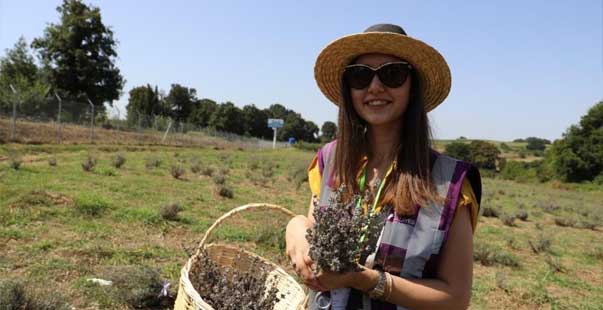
x: 256, y: 122
x: 459, y: 150
x: 180, y: 101
x: 329, y: 131
x: 536, y: 144
x: 18, y: 69
x: 484, y: 154
x: 578, y: 156
x: 79, y: 55
x: 202, y: 111
x: 278, y: 111
x: 227, y: 117
x: 146, y: 101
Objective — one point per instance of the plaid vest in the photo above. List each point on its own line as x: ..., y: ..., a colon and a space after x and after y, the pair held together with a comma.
x: 408, y: 246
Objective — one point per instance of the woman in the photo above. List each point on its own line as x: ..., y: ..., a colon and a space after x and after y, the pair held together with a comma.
x: 384, y: 83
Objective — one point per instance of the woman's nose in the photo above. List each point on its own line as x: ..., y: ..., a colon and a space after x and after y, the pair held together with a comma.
x: 376, y: 86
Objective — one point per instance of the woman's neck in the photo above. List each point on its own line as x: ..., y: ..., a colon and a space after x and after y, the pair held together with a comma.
x: 384, y: 141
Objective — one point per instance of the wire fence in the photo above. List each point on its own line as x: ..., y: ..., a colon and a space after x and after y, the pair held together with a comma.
x: 47, y: 126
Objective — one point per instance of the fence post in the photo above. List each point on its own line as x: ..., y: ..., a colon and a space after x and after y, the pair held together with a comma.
x: 14, y: 121
x: 91, y: 121
x: 166, y: 131
x: 59, y: 131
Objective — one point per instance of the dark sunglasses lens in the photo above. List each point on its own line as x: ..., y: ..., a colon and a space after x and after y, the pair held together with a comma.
x: 358, y: 77
x: 393, y: 75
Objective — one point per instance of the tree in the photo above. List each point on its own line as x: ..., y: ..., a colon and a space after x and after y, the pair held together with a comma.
x: 144, y: 100
x: 256, y: 122
x: 536, y: 144
x: 79, y: 54
x: 578, y: 156
x: 484, y: 154
x: 278, y: 111
x: 18, y: 69
x: 227, y: 117
x: 180, y: 101
x: 329, y: 131
x: 459, y: 150
x: 202, y: 111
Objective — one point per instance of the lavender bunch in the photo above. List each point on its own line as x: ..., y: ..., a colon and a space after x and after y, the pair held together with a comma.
x: 226, y: 288
x: 335, y: 237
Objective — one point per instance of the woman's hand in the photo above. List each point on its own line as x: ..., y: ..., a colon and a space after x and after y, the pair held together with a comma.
x: 332, y: 280
x: 298, y: 250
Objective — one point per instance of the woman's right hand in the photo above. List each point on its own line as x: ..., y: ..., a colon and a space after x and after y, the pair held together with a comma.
x: 298, y: 250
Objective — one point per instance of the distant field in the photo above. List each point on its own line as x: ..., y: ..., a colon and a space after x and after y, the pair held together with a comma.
x: 61, y: 225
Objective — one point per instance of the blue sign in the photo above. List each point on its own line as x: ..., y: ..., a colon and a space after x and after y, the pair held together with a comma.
x: 275, y: 122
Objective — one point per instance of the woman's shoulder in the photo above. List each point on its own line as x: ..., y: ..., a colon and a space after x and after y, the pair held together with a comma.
x: 461, y: 171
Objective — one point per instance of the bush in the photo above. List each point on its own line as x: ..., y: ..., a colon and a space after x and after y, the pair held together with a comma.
x: 484, y: 154
x: 488, y: 255
x: 89, y: 163
x: 136, y: 287
x: 554, y: 264
x: 170, y: 211
x: 219, y: 179
x: 207, y: 171
x: 119, y: 160
x: 459, y: 150
x: 177, y: 171
x: 508, y: 220
x: 152, y: 163
x: 15, y: 295
x: 542, y: 244
x: 490, y: 212
x: 90, y: 204
x: 52, y: 161
x: 565, y: 221
x: 225, y: 191
x: 15, y: 160
x: 522, y: 215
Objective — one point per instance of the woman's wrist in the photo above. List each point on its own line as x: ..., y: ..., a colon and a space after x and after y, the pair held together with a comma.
x: 364, y: 280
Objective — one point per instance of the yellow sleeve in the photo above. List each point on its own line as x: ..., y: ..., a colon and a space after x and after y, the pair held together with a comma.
x: 467, y: 199
x: 314, y: 177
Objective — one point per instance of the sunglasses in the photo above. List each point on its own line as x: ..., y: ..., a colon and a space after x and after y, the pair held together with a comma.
x: 391, y: 74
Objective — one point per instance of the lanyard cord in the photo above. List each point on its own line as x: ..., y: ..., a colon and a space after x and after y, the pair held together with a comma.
x: 374, y: 209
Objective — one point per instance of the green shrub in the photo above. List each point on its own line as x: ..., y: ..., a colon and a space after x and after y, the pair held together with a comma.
x: 566, y: 221
x: 459, y: 150
x: 152, y: 163
x: 207, y: 171
x: 90, y: 204
x: 225, y: 191
x: 119, y: 160
x: 219, y: 179
x: 177, y: 171
x: 15, y: 295
x: 136, y: 287
x: 52, y: 161
x: 170, y: 211
x: 488, y: 255
x: 522, y: 215
x: 541, y: 244
x: 508, y: 220
x: 490, y: 212
x: 89, y: 163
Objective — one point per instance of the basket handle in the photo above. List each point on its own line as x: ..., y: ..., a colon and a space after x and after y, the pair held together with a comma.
x: 234, y: 211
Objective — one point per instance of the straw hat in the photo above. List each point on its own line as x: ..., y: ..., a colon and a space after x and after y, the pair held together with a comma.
x: 431, y: 68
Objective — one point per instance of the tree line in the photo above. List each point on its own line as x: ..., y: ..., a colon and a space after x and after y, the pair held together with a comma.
x: 576, y: 157
x: 77, y: 64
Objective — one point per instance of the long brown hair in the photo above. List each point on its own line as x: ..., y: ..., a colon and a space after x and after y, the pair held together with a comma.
x: 410, y: 183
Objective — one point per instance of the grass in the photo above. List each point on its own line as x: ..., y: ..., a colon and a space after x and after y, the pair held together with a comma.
x: 61, y: 225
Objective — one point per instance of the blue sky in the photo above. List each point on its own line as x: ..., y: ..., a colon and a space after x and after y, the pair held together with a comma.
x: 519, y: 68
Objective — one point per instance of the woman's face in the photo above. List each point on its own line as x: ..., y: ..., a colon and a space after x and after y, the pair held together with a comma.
x: 378, y: 104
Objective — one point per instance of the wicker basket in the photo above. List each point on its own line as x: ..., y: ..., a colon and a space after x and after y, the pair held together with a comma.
x: 224, y: 255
